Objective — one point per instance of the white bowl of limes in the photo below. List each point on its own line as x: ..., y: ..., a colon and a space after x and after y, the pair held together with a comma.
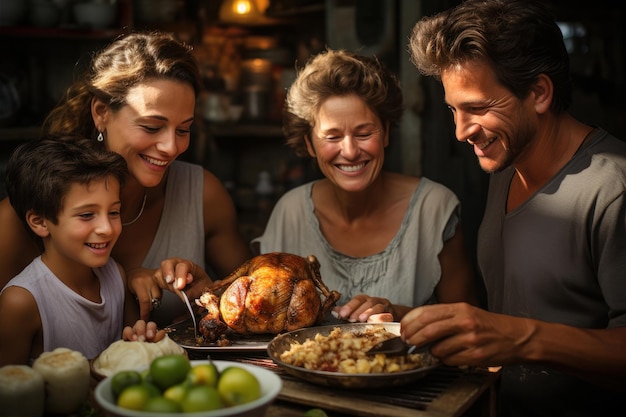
x: 202, y: 388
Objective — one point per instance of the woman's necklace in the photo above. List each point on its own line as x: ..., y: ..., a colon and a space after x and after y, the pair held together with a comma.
x: 143, y: 205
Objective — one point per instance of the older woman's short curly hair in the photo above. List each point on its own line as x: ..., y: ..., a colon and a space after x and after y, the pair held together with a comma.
x: 339, y: 73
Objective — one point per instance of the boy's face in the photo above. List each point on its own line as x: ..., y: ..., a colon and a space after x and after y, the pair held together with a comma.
x: 88, y: 225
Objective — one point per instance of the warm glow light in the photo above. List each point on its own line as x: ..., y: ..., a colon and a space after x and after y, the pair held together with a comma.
x: 239, y: 11
x: 242, y: 7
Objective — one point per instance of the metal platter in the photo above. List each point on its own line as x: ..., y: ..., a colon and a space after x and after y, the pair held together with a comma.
x: 183, y: 334
x: 283, y: 342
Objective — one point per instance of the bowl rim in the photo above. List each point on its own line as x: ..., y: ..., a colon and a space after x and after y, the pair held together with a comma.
x: 283, y: 341
x: 271, y: 384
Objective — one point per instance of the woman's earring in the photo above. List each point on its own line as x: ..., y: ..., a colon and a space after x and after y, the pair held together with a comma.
x: 100, y: 137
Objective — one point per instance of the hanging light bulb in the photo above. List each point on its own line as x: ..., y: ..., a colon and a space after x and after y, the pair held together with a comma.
x: 243, y: 7
x: 239, y: 11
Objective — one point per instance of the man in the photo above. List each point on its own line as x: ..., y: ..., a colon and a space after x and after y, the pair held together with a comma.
x: 552, y: 244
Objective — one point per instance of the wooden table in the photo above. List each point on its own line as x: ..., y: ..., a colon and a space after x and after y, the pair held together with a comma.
x: 445, y: 392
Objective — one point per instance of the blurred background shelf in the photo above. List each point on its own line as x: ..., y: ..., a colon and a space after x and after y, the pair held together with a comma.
x: 75, y: 32
x: 19, y: 134
x: 38, y: 63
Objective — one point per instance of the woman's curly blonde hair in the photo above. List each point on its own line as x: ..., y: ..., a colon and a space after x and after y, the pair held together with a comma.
x: 338, y: 73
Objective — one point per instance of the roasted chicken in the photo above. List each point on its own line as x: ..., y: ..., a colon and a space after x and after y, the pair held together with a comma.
x: 270, y: 293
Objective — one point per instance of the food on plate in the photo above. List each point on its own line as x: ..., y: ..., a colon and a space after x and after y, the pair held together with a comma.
x: 345, y: 352
x: 205, y: 374
x: 124, y: 379
x: 127, y: 355
x: 201, y: 398
x: 66, y: 378
x: 169, y: 370
x: 237, y: 386
x: 234, y: 385
x: 270, y: 293
x: 136, y: 397
x: 21, y: 391
x: 162, y: 405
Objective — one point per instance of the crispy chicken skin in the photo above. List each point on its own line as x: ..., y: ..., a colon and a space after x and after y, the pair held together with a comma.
x: 270, y: 293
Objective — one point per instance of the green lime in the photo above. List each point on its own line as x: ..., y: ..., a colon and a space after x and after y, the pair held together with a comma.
x: 145, y: 375
x: 153, y: 389
x: 176, y: 392
x: 238, y: 386
x: 169, y: 370
x: 135, y: 397
x: 124, y: 379
x: 201, y: 398
x: 162, y: 405
x: 204, y: 374
x: 315, y: 412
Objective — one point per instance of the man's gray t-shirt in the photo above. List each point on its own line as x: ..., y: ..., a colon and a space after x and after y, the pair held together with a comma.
x: 560, y: 257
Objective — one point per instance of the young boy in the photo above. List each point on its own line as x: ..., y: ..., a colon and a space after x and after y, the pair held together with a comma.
x: 74, y: 294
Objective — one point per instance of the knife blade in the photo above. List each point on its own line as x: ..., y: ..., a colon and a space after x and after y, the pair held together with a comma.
x: 397, y: 347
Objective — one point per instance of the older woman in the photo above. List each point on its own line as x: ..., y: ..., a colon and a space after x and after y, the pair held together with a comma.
x: 386, y: 241
x: 137, y: 98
